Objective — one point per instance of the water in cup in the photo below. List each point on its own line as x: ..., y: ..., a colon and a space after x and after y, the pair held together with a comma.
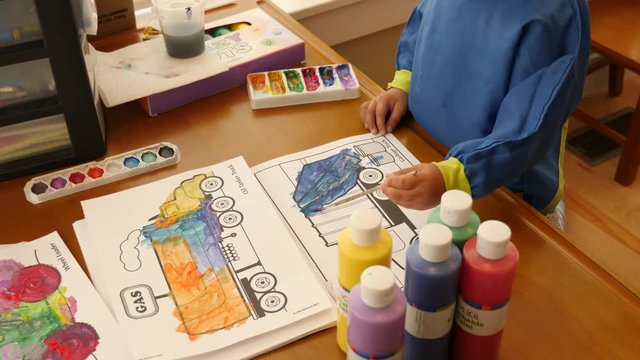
x: 182, y: 25
x: 184, y: 46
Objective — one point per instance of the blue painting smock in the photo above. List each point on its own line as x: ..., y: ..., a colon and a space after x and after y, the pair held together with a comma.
x: 495, y: 82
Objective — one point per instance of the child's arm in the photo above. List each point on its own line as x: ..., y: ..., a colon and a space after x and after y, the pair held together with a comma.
x: 406, y: 48
x: 546, y: 84
x: 383, y: 113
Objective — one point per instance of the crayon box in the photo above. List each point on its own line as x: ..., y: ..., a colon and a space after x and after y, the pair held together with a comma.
x: 249, y: 41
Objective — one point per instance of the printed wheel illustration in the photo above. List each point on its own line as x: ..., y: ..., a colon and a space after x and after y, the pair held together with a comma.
x: 378, y: 194
x: 370, y: 176
x: 77, y: 341
x: 273, y: 301
x: 231, y: 218
x: 222, y: 203
x: 262, y: 282
x: 35, y: 283
x: 211, y: 184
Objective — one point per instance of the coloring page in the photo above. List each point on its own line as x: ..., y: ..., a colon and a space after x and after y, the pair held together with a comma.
x: 48, y: 307
x: 198, y: 262
x: 301, y: 184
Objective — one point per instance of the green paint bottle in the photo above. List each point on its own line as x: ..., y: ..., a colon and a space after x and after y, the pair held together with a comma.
x: 455, y: 212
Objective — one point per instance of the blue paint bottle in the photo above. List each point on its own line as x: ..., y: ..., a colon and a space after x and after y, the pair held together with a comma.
x: 455, y: 212
x: 431, y: 287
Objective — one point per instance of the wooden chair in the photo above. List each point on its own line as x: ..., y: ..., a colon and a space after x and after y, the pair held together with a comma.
x: 615, y: 34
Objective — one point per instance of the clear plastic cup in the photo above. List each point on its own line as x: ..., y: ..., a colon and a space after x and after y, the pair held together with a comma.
x: 182, y: 25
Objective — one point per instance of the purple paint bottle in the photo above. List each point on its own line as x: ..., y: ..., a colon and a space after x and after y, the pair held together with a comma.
x: 376, y: 316
x: 431, y: 286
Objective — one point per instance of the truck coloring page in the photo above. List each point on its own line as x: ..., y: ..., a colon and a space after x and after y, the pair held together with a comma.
x: 196, y: 262
x: 302, y: 184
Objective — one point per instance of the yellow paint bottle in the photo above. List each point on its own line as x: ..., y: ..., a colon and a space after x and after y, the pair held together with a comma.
x: 362, y: 244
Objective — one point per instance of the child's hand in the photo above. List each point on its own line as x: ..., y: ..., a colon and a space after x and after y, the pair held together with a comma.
x: 415, y: 190
x: 374, y: 113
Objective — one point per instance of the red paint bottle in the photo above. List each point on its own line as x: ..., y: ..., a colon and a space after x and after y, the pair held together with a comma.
x: 488, y: 268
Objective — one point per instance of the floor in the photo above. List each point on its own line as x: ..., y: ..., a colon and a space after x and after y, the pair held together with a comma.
x: 601, y: 214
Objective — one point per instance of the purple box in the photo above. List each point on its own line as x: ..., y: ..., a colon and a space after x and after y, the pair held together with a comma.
x: 256, y: 43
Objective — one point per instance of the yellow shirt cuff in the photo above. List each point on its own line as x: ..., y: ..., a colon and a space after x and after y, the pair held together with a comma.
x: 453, y: 173
x: 401, y: 80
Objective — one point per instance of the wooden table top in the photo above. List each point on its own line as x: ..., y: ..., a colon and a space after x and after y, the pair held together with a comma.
x: 564, y: 306
x: 615, y: 30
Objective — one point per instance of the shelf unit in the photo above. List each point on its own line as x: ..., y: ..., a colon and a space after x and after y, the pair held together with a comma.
x: 49, y: 114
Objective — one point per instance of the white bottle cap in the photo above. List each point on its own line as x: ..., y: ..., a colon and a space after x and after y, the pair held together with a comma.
x: 365, y: 226
x: 377, y: 286
x: 435, y: 243
x: 455, y: 208
x: 493, y: 238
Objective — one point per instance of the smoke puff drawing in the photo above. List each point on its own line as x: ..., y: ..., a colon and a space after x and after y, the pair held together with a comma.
x: 129, y: 253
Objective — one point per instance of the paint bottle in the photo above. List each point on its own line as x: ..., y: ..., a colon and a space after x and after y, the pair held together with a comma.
x: 362, y: 244
x: 455, y: 212
x: 376, y: 316
x: 431, y: 288
x: 489, y: 263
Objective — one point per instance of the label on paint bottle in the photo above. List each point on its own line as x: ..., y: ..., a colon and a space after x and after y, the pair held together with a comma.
x: 342, y: 301
x: 429, y: 324
x: 355, y: 355
x: 478, y: 321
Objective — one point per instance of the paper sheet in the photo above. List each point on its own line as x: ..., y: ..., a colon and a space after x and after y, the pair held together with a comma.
x: 210, y: 267
x: 145, y: 68
x: 371, y: 157
x: 46, y: 301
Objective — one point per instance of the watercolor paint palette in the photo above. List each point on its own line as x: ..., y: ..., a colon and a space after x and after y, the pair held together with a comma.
x: 303, y: 85
x: 96, y: 173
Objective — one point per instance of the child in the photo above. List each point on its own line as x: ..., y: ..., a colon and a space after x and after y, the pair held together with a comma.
x: 495, y: 82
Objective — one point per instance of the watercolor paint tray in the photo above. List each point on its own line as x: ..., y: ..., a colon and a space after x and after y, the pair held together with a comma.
x: 96, y: 173
x: 303, y: 85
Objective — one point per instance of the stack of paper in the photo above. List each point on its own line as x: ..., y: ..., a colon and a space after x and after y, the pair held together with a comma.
x: 199, y: 263
x: 144, y: 68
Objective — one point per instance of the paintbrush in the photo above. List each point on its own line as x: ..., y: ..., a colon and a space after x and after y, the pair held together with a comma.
x: 349, y: 198
x: 346, y: 199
